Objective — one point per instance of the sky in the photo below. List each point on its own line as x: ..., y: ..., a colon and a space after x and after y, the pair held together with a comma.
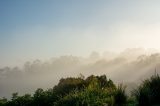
x: 42, y: 29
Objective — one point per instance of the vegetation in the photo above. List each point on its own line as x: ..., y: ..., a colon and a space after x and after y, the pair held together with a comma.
x: 148, y: 93
x: 92, y: 91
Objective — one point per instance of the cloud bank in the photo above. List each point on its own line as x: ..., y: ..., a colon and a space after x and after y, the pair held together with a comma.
x: 129, y: 66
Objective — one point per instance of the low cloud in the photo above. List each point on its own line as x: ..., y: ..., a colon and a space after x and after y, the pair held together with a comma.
x: 129, y: 66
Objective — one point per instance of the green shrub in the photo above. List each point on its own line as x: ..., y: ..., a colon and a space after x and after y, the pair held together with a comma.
x: 148, y: 93
x: 120, y: 97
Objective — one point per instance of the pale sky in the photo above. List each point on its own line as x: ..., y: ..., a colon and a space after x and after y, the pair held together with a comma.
x: 41, y: 29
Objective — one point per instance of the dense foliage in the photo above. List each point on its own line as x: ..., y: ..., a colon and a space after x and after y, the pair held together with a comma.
x: 148, y: 93
x: 90, y: 91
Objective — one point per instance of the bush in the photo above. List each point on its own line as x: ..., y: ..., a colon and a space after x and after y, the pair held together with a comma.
x: 120, y: 96
x: 148, y: 93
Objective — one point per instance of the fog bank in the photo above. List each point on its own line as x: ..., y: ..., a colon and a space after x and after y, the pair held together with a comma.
x: 130, y: 66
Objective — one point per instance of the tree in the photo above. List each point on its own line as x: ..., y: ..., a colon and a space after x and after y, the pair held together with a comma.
x: 3, y: 101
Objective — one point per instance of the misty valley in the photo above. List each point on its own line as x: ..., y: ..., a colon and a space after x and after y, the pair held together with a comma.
x: 72, y: 80
x: 79, y: 52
